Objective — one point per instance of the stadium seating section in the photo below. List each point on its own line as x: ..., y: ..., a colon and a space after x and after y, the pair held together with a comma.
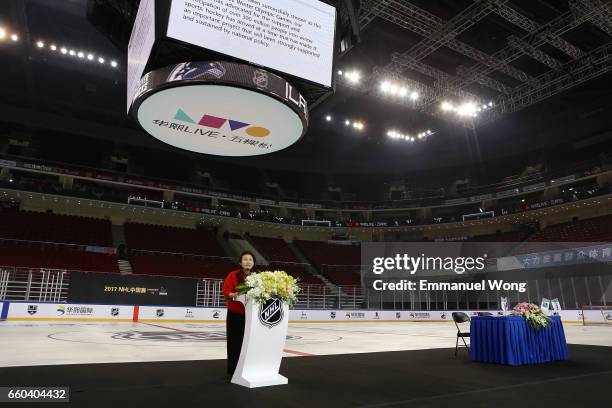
x: 180, y: 265
x: 172, y: 239
x: 44, y: 227
x: 597, y: 229
x: 281, y: 257
x: 52, y: 256
x: 339, y: 263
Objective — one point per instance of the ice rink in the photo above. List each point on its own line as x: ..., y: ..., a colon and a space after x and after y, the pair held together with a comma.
x: 57, y: 343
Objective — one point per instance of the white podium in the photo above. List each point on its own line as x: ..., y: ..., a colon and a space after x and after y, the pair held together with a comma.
x: 265, y: 331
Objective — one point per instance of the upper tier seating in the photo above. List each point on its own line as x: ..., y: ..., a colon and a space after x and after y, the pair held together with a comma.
x: 51, y: 256
x: 172, y: 239
x: 598, y: 229
x: 35, y: 226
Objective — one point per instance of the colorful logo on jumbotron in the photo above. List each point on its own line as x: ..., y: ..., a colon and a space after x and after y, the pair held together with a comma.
x: 216, y: 122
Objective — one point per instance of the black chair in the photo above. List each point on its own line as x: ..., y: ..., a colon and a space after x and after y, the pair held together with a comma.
x: 485, y: 314
x: 458, y: 318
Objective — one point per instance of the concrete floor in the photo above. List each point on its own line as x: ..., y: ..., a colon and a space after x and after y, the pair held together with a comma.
x: 48, y: 343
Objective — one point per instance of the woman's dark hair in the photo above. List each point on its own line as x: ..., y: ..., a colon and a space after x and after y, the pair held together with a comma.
x: 242, y: 275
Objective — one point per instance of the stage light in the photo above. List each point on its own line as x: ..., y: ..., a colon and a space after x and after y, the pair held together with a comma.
x: 347, y: 122
x: 484, y: 106
x: 90, y: 57
x: 490, y: 103
x: 353, y: 76
x: 113, y: 64
x: 81, y: 54
x: 414, y: 96
x: 429, y: 132
x: 393, y: 89
x: 101, y: 60
x: 384, y: 86
x: 446, y: 106
x: 64, y: 51
x: 412, y: 139
x: 339, y: 72
x: 40, y: 44
x: 53, y: 47
x: 72, y: 53
x: 403, y: 91
x: 328, y: 118
x: 467, y: 109
x: 14, y: 37
x: 2, y: 33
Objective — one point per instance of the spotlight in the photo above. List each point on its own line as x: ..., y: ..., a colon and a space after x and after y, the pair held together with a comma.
x: 339, y: 72
x: 113, y: 64
x: 328, y: 118
x: 467, y: 109
x: 414, y: 96
x: 72, y: 53
x: 90, y: 57
x: 484, y: 106
x: 14, y: 37
x: 412, y: 139
x: 81, y: 54
x: 347, y: 122
x: 393, y: 89
x: 429, y: 132
x: 403, y: 91
x: 64, y: 51
x: 490, y: 103
x: 446, y: 106
x: 2, y: 33
x: 40, y: 44
x: 101, y: 60
x: 353, y: 76
x: 384, y: 86
x: 53, y: 47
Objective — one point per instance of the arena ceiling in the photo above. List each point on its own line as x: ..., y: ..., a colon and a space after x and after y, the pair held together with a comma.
x: 542, y: 68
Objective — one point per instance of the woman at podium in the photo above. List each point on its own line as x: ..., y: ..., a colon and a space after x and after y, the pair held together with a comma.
x: 235, y: 310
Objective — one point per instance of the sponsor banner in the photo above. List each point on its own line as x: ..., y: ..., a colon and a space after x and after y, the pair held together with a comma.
x: 567, y: 256
x: 59, y: 311
x: 97, y: 312
x: 272, y: 114
x: 131, y: 289
x: 161, y: 313
x: 288, y: 204
x: 543, y: 204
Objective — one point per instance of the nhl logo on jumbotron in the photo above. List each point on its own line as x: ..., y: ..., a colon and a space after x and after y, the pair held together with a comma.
x: 271, y: 313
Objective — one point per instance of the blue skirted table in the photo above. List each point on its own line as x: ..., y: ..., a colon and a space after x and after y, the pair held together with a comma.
x: 510, y: 340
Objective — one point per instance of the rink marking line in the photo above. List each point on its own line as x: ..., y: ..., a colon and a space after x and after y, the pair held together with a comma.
x: 297, y: 353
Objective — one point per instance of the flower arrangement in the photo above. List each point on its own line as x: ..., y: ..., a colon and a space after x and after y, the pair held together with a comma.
x: 267, y: 284
x: 535, y: 317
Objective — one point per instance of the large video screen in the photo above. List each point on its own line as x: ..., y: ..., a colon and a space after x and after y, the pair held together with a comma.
x: 291, y: 36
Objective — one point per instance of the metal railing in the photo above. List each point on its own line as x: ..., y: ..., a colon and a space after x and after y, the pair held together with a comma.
x: 38, y: 285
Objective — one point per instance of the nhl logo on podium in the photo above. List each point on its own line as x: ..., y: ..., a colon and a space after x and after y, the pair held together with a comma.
x: 271, y: 313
